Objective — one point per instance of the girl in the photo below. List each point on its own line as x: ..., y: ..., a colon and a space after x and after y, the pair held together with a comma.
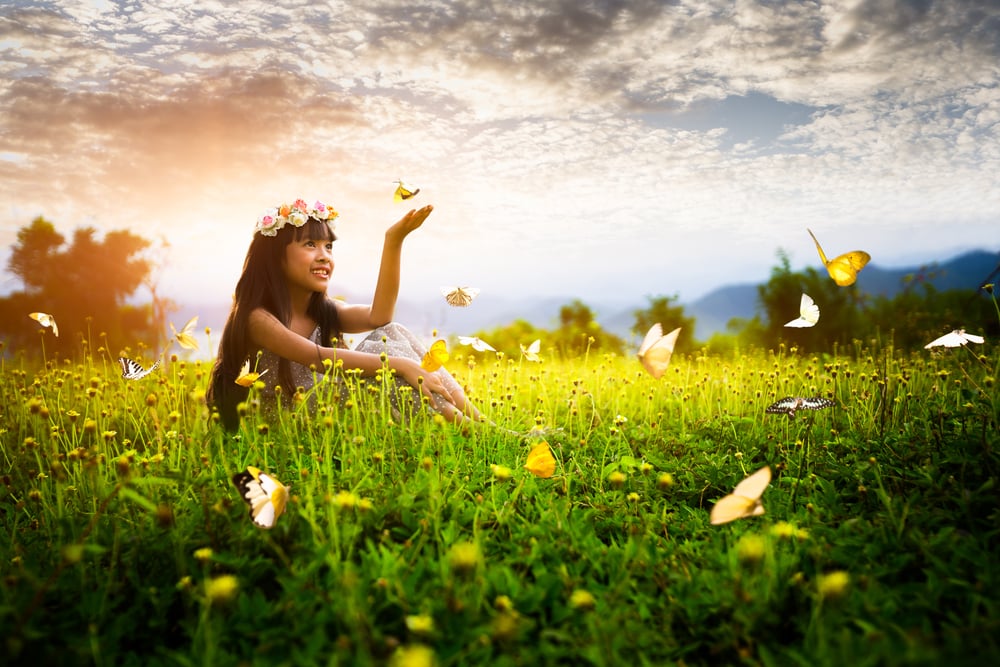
x: 281, y: 308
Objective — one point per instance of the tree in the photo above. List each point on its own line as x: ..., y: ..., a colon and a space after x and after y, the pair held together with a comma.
x: 841, y: 317
x: 83, y: 285
x: 32, y: 258
x: 579, y: 332
x: 660, y: 311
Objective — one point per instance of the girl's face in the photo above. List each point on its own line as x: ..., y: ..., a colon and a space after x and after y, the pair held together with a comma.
x: 308, y: 264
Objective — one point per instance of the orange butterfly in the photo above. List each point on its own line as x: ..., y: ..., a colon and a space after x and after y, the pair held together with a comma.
x: 540, y: 461
x: 435, y: 356
x: 844, y: 268
x: 656, y: 350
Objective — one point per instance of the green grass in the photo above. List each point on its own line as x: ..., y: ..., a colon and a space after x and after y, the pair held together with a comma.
x: 411, y: 543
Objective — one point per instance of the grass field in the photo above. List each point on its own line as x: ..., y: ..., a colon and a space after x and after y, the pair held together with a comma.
x: 126, y: 542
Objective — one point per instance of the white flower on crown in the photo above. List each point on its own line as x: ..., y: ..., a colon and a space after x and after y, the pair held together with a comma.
x: 297, y: 214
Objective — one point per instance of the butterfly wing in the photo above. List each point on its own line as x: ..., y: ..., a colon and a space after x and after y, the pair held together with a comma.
x: 540, y: 461
x: 46, y: 320
x: 816, y: 403
x: 808, y: 313
x: 265, y: 495
x: 844, y: 269
x: 531, y: 352
x: 744, y: 501
x: 184, y: 336
x: 403, y: 193
x: 435, y: 356
x: 819, y: 248
x: 786, y: 405
x: 132, y: 370
x: 477, y: 343
x: 955, y: 338
x: 753, y: 486
x: 459, y: 296
x: 732, y: 507
x: 656, y: 351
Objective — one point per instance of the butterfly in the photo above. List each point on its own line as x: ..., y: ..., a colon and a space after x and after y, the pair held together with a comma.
x: 246, y: 378
x: 531, y: 352
x: 184, y: 336
x: 435, y: 356
x: 45, y: 320
x: 403, y: 193
x: 744, y: 500
x: 844, y: 268
x: 808, y: 313
x: 459, y: 296
x: 540, y: 461
x: 956, y: 338
x: 477, y: 344
x: 265, y: 495
x: 656, y: 350
x: 133, y: 370
x: 790, y: 404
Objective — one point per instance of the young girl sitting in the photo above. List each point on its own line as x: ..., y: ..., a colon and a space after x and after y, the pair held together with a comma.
x: 281, y: 309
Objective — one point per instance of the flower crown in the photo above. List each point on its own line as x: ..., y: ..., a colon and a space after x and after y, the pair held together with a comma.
x: 297, y: 214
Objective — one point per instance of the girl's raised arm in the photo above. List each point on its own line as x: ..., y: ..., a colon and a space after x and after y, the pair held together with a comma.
x: 363, y: 318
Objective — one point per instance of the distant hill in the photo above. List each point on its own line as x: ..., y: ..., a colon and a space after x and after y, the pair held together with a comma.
x: 711, y: 312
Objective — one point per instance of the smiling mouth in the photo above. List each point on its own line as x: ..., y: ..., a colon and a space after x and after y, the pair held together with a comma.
x: 321, y: 272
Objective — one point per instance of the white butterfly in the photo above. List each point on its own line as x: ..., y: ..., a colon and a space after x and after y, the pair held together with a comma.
x: 477, y: 344
x: 531, y: 352
x: 790, y: 404
x: 265, y: 495
x: 808, y: 313
x: 133, y: 370
x: 459, y: 296
x: 744, y: 500
x: 45, y: 320
x: 656, y: 349
x: 956, y: 338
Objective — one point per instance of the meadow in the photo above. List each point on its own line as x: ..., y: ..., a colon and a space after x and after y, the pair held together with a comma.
x: 422, y: 543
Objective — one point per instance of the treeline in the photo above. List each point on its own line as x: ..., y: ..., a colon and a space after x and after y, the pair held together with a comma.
x: 86, y: 283
x: 912, y: 318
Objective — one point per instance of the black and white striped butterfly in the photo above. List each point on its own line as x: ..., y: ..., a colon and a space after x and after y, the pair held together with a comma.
x: 133, y: 370
x: 790, y: 404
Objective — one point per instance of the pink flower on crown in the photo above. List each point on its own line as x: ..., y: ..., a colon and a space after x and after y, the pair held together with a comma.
x: 269, y: 223
x: 301, y: 205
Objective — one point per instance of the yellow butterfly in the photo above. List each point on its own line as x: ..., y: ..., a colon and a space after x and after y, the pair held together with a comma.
x: 656, y: 350
x: 265, y: 495
x: 843, y: 269
x: 808, y: 313
x: 540, y: 461
x: 246, y: 378
x: 435, y: 356
x: 403, y: 193
x: 531, y: 352
x: 184, y: 336
x: 744, y: 500
x: 477, y: 343
x: 459, y: 296
x: 45, y: 320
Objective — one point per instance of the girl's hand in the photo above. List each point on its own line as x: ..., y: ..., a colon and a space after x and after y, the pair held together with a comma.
x: 415, y: 376
x: 408, y: 223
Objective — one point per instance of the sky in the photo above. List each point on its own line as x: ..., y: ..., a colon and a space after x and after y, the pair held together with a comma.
x: 593, y: 149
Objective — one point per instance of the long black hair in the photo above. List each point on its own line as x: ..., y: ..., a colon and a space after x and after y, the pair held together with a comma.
x: 262, y: 285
